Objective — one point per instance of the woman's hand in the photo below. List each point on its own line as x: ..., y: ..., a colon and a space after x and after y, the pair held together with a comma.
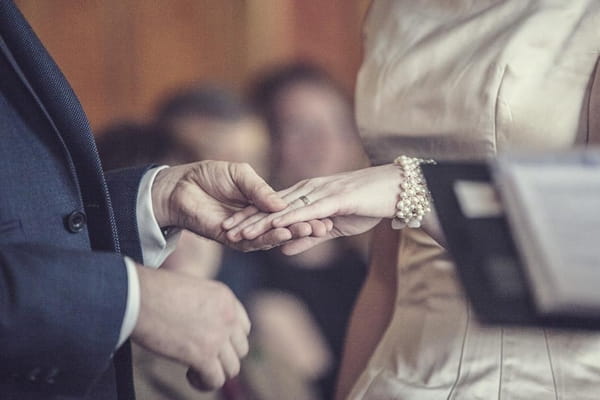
x: 350, y: 203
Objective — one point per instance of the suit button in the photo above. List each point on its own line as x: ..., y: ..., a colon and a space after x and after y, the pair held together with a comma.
x: 50, y: 378
x: 76, y: 221
x: 34, y: 374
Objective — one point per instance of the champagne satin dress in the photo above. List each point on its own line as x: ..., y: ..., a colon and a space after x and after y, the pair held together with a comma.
x: 470, y: 78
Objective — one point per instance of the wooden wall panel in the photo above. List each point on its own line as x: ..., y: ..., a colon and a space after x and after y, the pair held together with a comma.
x: 183, y: 41
x: 330, y: 24
x: 122, y: 55
x: 78, y: 46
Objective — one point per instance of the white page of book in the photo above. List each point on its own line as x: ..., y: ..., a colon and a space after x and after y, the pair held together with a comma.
x: 554, y: 212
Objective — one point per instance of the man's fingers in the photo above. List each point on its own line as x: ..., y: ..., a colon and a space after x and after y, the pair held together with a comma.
x: 318, y: 228
x: 272, y: 238
x: 256, y: 189
x: 243, y: 316
x: 301, y: 229
x: 230, y: 361
x: 238, y: 217
x: 239, y: 341
x: 206, y: 377
x: 298, y: 246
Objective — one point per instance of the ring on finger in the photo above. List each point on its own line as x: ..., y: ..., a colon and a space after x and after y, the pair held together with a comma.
x: 304, y: 199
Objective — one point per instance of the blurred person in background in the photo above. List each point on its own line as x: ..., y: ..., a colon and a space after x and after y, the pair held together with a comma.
x: 194, y: 123
x: 208, y: 122
x: 213, y: 122
x: 300, y: 305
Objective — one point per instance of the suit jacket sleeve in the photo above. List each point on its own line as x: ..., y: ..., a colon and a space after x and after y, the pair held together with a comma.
x: 61, y: 313
x: 123, y: 188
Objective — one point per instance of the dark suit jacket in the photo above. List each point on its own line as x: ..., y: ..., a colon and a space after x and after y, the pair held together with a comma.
x: 63, y: 285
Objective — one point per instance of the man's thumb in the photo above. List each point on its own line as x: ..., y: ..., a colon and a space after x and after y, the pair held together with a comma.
x: 255, y: 189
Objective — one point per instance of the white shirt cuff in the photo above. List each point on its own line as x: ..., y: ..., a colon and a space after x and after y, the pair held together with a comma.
x: 155, y: 247
x: 132, y: 309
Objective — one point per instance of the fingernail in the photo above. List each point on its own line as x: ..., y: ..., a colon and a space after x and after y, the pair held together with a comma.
x: 248, y: 231
x: 288, y: 236
x: 233, y: 238
x: 276, y: 221
x: 227, y: 223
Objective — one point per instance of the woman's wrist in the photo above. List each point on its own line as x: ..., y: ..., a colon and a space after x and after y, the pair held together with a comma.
x: 414, y: 199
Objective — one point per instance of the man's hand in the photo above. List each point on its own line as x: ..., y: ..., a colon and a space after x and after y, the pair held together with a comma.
x: 197, y: 322
x: 200, y: 196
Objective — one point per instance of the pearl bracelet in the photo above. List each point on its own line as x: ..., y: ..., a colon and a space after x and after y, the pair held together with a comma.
x: 415, y: 199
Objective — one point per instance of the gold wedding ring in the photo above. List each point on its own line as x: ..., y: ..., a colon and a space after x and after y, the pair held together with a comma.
x: 305, y: 200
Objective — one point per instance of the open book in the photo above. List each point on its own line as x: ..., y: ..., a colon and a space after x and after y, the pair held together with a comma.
x: 552, y: 204
x: 524, y: 233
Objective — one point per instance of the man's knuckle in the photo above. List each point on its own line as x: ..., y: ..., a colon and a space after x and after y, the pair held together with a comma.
x: 227, y: 305
x: 242, y: 169
x: 235, y: 370
x: 192, y: 352
x: 244, y: 348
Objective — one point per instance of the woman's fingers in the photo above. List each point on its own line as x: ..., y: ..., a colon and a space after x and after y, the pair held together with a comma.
x: 316, y: 210
x: 251, y: 224
x: 255, y: 226
x: 259, y: 221
x: 235, y: 234
x: 249, y: 215
x: 273, y: 238
x: 238, y: 217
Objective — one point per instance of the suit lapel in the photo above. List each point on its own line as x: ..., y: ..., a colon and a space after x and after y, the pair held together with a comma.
x: 5, y: 51
x: 54, y: 96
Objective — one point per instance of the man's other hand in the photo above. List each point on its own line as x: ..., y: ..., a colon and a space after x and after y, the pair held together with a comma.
x: 196, y: 322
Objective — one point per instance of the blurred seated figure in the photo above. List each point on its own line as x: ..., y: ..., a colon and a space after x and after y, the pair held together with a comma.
x: 300, y: 305
x: 213, y: 123
x: 194, y: 123
x: 208, y: 122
